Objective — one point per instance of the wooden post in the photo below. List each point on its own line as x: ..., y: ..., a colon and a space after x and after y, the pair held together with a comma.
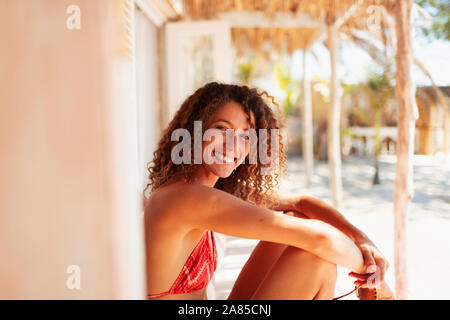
x: 308, y: 149
x: 405, y: 142
x: 67, y: 123
x: 446, y: 134
x: 334, y: 150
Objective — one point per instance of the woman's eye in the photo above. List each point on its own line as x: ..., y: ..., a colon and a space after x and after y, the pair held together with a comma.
x: 245, y: 136
x: 221, y: 128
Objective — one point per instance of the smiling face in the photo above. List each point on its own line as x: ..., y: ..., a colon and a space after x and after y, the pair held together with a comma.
x: 222, y: 158
x: 218, y: 107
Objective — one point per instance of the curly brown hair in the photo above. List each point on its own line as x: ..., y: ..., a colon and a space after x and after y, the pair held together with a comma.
x: 247, y: 181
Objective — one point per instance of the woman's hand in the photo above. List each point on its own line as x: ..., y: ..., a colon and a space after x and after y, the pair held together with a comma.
x: 375, y: 264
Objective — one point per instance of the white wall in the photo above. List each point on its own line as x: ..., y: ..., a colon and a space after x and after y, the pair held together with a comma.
x: 147, y: 91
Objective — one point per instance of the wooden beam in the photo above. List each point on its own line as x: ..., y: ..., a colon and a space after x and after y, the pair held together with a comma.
x: 333, y: 129
x: 155, y: 16
x: 301, y: 8
x: 405, y: 91
x: 340, y: 21
x: 334, y: 117
x: 257, y: 19
x: 172, y: 8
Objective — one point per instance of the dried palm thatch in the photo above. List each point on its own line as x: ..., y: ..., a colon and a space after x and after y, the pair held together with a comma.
x: 317, y: 9
x: 264, y: 40
x: 355, y: 15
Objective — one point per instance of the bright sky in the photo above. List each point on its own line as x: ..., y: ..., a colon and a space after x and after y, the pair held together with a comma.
x: 354, y: 62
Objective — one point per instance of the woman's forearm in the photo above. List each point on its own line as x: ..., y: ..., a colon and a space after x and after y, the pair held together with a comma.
x: 337, y: 248
x: 310, y: 207
x: 317, y: 209
x: 339, y: 236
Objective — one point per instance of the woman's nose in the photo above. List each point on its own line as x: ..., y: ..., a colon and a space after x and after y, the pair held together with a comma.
x: 235, y: 145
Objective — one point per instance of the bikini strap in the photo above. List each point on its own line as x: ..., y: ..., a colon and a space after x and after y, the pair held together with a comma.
x: 157, y: 295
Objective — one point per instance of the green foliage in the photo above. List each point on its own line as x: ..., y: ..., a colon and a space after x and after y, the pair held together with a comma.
x: 363, y: 118
x: 247, y: 70
x: 378, y: 90
x: 287, y: 84
x: 378, y: 81
x: 440, y: 11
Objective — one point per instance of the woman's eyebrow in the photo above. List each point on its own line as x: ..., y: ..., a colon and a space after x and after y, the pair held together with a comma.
x: 223, y: 120
x: 226, y: 121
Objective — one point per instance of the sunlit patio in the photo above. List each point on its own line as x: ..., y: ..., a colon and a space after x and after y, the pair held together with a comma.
x: 370, y: 208
x: 360, y: 88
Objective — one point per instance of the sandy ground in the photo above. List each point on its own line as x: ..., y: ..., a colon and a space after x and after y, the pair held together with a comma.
x: 370, y: 208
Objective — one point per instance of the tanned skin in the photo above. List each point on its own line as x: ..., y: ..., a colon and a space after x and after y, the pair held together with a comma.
x: 302, y: 239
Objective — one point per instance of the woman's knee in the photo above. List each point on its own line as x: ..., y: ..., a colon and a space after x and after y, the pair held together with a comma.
x: 320, y: 265
x: 330, y: 271
x: 300, y: 254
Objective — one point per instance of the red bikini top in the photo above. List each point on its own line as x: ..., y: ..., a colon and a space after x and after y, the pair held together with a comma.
x: 198, y: 269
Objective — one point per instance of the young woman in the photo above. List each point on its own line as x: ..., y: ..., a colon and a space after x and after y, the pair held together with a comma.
x: 227, y: 191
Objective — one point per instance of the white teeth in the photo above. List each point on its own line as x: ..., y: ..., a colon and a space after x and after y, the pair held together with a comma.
x: 223, y: 158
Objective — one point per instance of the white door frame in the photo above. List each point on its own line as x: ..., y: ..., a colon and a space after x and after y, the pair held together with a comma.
x: 222, y: 55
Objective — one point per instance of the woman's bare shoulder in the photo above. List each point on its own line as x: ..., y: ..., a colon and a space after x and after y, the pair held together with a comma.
x: 167, y: 205
x: 183, y: 193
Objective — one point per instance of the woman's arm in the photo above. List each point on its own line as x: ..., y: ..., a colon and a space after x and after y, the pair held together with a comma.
x: 219, y: 211
x: 309, y: 207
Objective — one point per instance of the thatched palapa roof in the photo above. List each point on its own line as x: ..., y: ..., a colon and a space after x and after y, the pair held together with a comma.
x: 284, y: 25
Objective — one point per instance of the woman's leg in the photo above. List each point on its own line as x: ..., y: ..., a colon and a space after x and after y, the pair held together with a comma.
x: 299, y: 275
x: 277, y: 271
x: 257, y: 266
x: 255, y: 269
